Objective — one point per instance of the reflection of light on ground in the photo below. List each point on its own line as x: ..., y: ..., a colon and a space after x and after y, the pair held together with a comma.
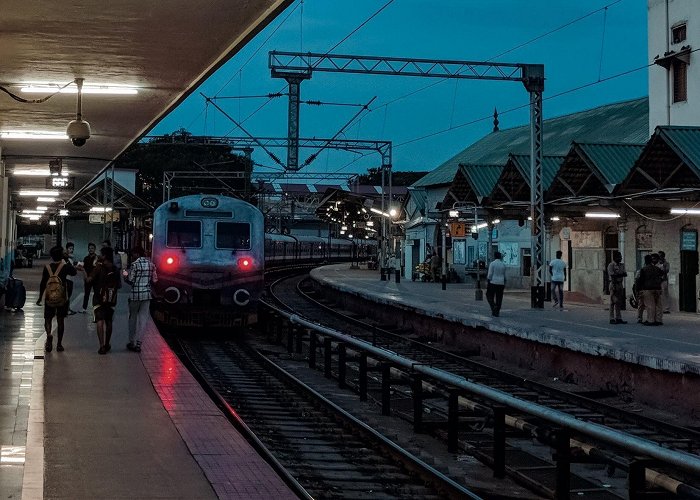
x: 12, y: 455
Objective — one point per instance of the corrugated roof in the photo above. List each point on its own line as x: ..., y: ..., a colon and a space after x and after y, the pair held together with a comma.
x: 482, y: 178
x: 622, y: 122
x: 685, y: 142
x: 550, y: 167
x: 613, y: 161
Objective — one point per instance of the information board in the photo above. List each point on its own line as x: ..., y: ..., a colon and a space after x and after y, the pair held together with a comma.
x: 689, y: 240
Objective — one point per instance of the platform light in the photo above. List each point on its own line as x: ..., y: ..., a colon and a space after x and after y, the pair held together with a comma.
x: 150, y: 237
x: 34, y: 217
x: 31, y: 172
x: 344, y: 228
x: 686, y: 211
x: 52, y: 223
x: 37, y: 211
x: 63, y: 212
x: 454, y: 213
x: 369, y: 223
x: 478, y: 226
x: 496, y: 221
x: 42, y: 192
x: 350, y: 236
x: 602, y: 215
x: 33, y: 134
x: 48, y: 88
x: 46, y: 199
x: 42, y: 208
x: 393, y: 212
x: 100, y: 209
x: 555, y: 219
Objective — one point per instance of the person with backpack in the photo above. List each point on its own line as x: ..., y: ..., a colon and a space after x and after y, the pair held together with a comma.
x: 105, y: 280
x: 53, y: 292
x: 142, y: 274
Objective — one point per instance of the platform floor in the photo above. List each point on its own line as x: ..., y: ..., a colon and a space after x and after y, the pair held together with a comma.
x: 674, y: 347
x: 78, y: 425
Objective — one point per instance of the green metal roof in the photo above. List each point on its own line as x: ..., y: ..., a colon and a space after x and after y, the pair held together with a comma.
x: 613, y: 162
x: 685, y: 142
x: 550, y: 167
x: 482, y: 178
x: 622, y: 122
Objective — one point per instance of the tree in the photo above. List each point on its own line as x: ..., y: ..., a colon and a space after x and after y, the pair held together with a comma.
x: 373, y: 177
x: 180, y: 151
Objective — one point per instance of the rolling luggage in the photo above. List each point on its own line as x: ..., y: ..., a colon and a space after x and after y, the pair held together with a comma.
x: 15, y: 294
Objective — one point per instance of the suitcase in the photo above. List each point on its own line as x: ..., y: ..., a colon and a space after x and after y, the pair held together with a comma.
x: 15, y: 294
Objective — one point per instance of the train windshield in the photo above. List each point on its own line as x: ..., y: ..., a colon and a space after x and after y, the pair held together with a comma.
x: 184, y: 234
x: 233, y: 235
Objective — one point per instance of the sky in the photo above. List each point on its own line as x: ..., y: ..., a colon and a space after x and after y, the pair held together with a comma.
x: 581, y: 43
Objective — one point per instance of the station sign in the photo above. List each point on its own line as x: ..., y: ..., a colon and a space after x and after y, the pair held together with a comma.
x: 102, y: 218
x: 458, y: 229
x: 689, y: 240
x: 60, y: 183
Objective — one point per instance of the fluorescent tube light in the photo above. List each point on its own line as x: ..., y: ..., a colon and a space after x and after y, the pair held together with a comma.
x: 45, y: 199
x: 100, y: 209
x: 602, y: 215
x: 686, y: 211
x: 72, y: 89
x: 33, y: 134
x: 38, y: 193
x: 52, y: 223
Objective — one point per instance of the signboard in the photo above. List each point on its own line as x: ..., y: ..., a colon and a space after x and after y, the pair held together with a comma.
x: 458, y: 249
x: 689, y: 240
x: 54, y: 182
x: 457, y: 229
x: 100, y: 218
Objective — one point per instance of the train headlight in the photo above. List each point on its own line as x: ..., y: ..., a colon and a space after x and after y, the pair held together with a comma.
x: 169, y: 262
x: 245, y: 263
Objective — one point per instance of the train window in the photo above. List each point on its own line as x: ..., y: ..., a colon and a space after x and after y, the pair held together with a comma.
x: 184, y: 233
x: 234, y: 235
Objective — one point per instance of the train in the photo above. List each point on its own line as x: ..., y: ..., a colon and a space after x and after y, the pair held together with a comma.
x: 211, y: 252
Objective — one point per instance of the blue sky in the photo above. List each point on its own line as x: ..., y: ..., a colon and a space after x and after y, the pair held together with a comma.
x: 601, y: 45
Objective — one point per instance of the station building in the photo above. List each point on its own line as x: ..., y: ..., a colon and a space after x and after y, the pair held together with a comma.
x: 623, y: 176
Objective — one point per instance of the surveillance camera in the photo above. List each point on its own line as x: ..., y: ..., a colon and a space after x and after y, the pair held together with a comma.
x: 78, y: 132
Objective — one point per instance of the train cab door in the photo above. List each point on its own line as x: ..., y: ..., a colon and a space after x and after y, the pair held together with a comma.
x: 687, y: 290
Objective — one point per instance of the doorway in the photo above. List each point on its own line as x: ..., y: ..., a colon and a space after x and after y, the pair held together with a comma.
x: 687, y: 292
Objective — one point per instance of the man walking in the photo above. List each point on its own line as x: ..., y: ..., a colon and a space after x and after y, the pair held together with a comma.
x: 89, y: 263
x: 140, y: 276
x: 665, y: 268
x: 496, y: 279
x: 53, y: 291
x: 617, y: 275
x: 557, y: 269
x: 70, y: 249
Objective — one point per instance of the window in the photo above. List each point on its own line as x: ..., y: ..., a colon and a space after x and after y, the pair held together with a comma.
x: 678, y: 33
x: 233, y: 235
x: 184, y: 234
x: 680, y: 81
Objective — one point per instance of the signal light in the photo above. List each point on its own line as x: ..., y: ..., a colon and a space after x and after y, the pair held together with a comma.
x: 169, y: 261
x: 245, y: 263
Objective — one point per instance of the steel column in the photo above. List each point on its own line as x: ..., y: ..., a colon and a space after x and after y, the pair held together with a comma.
x: 537, y: 275
x: 293, y: 122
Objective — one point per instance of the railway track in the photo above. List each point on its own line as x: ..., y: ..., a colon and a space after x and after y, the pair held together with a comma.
x: 528, y: 464
x: 328, y: 452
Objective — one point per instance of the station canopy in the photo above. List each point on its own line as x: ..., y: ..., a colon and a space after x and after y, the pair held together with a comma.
x: 138, y: 61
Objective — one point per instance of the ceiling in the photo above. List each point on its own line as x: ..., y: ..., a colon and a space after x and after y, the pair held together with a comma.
x: 163, y: 48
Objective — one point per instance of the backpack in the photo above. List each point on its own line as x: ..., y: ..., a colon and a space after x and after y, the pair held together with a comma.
x: 55, y: 292
x: 109, y: 287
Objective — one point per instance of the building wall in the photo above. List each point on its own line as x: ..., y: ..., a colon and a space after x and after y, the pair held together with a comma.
x: 662, y: 110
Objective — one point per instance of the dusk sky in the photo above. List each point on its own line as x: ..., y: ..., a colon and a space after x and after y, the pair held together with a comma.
x: 604, y: 44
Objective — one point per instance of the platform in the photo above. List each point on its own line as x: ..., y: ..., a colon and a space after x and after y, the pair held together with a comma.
x: 585, y: 328
x: 79, y: 425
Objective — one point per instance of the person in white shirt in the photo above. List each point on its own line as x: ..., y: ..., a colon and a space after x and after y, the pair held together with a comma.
x: 496, y: 279
x: 557, y: 269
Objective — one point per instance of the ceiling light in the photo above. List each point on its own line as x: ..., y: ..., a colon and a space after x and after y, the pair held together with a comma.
x: 33, y: 134
x: 63, y: 212
x: 555, y: 218
x: 454, y: 213
x: 29, y: 211
x: 100, y: 209
x: 39, y: 88
x: 33, y: 172
x: 686, y: 211
x: 496, y: 221
x: 52, y: 223
x: 43, y: 209
x: 38, y: 193
x: 392, y: 212
x: 34, y: 217
x: 45, y: 199
x: 602, y: 215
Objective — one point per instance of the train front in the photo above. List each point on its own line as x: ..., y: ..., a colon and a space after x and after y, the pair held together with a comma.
x: 209, y: 252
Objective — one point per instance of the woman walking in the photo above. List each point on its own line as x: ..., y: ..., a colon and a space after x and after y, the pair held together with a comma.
x: 105, y: 280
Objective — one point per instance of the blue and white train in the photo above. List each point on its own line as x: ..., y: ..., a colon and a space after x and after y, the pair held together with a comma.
x: 211, y: 251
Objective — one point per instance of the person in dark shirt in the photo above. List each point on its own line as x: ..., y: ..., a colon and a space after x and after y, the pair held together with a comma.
x: 58, y: 257
x: 650, y: 278
x: 103, y: 313
x: 89, y: 263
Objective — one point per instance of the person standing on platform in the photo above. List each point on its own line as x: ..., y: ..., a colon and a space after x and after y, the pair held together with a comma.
x: 496, y: 279
x: 70, y: 249
x: 89, y: 263
x: 54, y: 294
x: 617, y: 275
x: 557, y: 269
x: 639, y: 291
x: 665, y: 268
x: 104, y: 279
x: 650, y: 278
x: 141, y: 275
x: 436, y: 266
